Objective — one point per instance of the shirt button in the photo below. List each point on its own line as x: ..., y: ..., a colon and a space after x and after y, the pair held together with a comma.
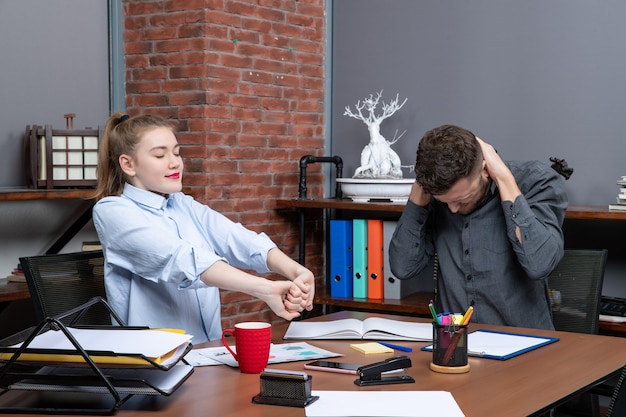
x: 467, y: 251
x: 472, y: 303
x: 469, y: 277
x: 466, y: 225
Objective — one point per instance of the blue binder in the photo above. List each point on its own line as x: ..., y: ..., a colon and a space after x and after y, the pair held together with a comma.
x: 359, y: 258
x: 341, y: 258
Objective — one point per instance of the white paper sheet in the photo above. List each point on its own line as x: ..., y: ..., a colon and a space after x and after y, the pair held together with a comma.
x: 150, y: 343
x: 384, y: 404
x: 279, y: 353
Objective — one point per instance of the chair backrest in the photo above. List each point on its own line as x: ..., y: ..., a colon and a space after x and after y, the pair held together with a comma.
x: 576, y: 288
x: 60, y: 282
x: 617, y: 406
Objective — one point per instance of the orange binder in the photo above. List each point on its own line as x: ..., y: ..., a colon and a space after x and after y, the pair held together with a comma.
x: 375, y: 259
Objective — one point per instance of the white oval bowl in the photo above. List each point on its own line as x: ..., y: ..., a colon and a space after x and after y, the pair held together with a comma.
x: 363, y: 190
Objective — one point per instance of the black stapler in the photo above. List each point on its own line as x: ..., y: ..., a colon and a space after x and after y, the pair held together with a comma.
x: 372, y: 374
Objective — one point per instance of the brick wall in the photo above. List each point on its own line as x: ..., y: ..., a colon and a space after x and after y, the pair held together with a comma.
x: 244, y: 82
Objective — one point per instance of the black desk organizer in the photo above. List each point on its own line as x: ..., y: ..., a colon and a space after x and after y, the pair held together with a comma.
x: 79, y: 388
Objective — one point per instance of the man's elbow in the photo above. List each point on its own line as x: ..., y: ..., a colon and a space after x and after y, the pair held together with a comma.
x: 543, y: 270
x: 403, y: 271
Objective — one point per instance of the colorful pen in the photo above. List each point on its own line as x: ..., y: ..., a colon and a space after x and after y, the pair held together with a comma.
x: 396, y: 347
x: 445, y: 318
x: 433, y: 312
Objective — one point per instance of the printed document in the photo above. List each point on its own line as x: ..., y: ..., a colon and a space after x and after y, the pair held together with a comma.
x: 383, y: 404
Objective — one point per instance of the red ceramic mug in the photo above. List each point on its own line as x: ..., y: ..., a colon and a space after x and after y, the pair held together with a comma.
x: 252, y: 345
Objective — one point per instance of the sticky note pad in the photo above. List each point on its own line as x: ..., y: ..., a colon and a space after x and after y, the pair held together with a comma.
x: 371, y: 347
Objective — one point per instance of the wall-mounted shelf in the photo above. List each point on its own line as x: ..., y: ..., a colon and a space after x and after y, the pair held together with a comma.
x: 573, y: 212
x: 22, y: 194
x: 416, y: 303
x: 28, y: 194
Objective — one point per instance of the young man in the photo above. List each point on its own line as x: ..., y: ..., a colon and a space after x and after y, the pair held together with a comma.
x: 495, y: 226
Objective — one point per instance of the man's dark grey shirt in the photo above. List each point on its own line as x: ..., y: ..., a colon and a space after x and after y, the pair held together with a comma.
x: 481, y: 261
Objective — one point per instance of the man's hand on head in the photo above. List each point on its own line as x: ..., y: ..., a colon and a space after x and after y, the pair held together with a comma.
x: 418, y: 195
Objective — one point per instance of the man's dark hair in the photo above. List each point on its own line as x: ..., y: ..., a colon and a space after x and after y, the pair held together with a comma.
x: 445, y: 155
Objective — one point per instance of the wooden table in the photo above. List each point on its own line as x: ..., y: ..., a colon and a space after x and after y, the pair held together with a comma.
x: 525, y: 385
x: 13, y: 291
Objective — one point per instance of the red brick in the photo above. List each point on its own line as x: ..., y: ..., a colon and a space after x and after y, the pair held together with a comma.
x: 244, y: 101
x: 142, y: 86
x: 269, y: 65
x: 217, y: 17
x: 187, y: 99
x: 255, y: 24
x: 251, y: 50
x: 221, y: 72
x: 180, y: 85
x: 160, y: 33
x: 236, y: 61
x: 188, y: 71
x: 272, y: 129
x: 167, y: 60
x: 247, y: 114
x: 274, y: 15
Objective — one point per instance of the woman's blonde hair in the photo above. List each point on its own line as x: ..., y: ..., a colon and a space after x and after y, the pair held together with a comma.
x: 121, y: 134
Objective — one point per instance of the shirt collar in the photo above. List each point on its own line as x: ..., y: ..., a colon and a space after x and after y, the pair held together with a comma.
x: 144, y: 198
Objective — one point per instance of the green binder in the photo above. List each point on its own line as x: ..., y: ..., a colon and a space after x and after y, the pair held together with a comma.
x: 359, y: 253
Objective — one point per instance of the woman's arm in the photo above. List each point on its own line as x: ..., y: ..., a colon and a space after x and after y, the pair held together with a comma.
x: 273, y: 293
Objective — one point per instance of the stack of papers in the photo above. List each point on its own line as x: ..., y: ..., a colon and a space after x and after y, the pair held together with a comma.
x: 107, y: 346
x: 144, y: 381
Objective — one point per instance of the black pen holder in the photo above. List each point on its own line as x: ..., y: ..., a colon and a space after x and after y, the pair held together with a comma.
x: 449, y: 348
x: 292, y: 389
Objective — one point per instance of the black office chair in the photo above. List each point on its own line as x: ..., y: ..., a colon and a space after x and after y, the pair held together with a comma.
x: 617, y: 407
x: 575, y: 289
x: 60, y: 282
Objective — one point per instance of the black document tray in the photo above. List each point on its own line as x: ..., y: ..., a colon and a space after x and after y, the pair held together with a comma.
x: 85, y: 387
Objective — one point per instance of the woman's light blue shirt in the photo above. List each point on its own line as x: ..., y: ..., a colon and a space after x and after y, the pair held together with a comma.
x: 155, y: 250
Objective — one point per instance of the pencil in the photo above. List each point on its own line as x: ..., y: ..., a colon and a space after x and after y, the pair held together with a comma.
x: 452, y: 347
x: 431, y: 307
x: 467, y: 315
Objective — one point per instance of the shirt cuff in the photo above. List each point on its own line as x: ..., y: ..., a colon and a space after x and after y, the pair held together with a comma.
x: 202, y: 261
x: 415, y: 213
x: 518, y: 212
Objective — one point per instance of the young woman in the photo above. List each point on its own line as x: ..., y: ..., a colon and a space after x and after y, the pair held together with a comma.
x: 167, y: 254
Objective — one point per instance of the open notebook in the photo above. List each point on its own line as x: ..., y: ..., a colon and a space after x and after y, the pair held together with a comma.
x: 373, y: 328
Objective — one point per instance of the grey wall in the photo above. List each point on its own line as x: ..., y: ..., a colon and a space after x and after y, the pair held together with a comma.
x: 54, y: 58
x: 536, y: 78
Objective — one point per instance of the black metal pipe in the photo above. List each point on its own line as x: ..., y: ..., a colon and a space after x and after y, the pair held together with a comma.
x: 304, y: 161
x: 309, y: 159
